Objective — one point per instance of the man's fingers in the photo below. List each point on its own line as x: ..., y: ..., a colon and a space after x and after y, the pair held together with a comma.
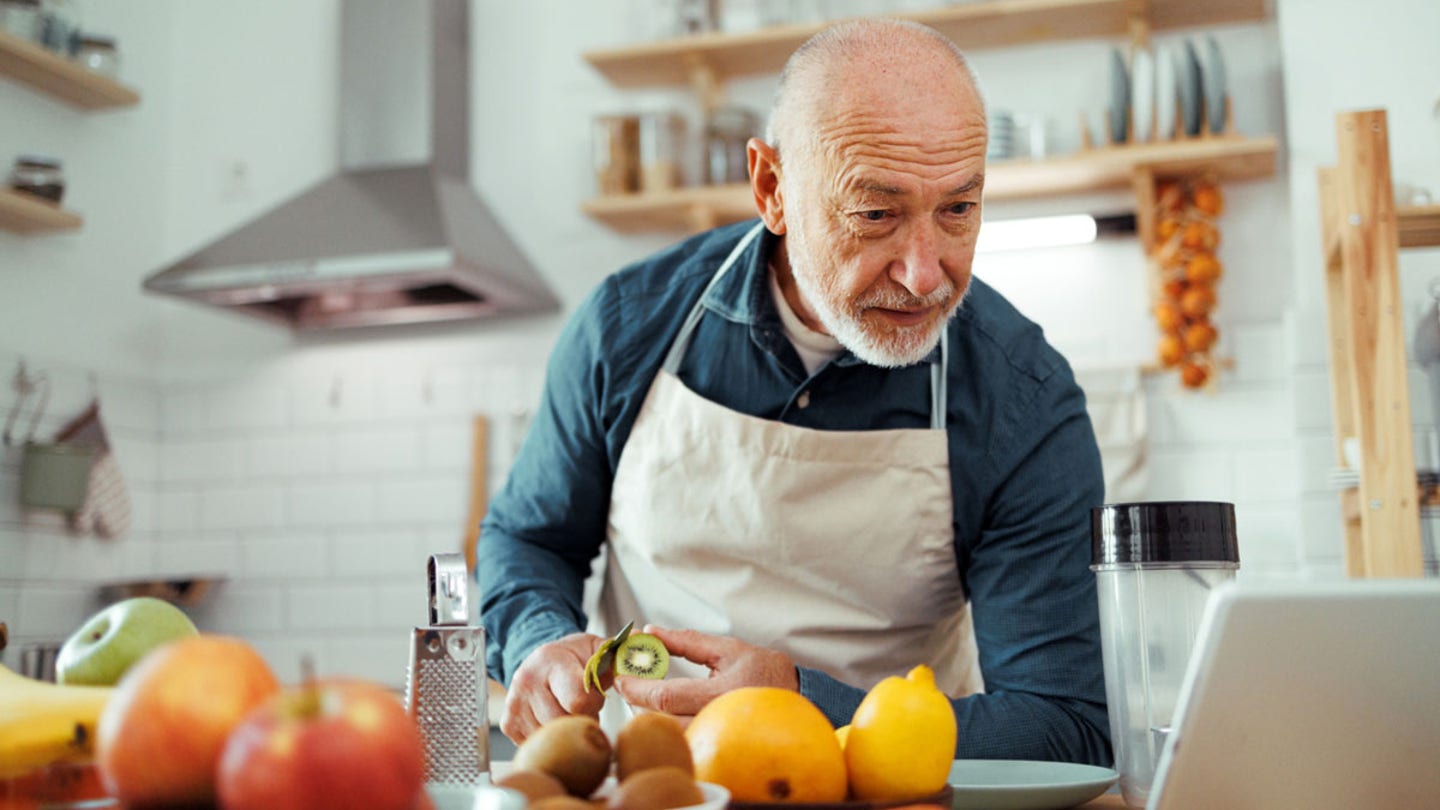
x: 678, y: 696
x: 518, y: 722
x: 570, y: 695
x: 693, y: 645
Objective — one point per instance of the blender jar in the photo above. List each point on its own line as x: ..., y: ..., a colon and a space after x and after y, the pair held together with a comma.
x: 1155, y: 565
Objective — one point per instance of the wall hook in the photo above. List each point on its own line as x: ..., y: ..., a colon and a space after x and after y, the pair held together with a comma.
x: 27, y: 384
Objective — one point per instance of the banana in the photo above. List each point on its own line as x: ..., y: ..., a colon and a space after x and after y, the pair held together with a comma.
x: 44, y: 723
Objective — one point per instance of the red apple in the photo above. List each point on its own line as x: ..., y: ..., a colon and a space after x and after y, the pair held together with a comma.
x: 160, y: 737
x: 330, y: 744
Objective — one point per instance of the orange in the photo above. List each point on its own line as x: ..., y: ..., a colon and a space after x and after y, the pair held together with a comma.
x: 1173, y: 289
x: 1168, y: 317
x: 1170, y: 350
x: 1199, y: 336
x: 1197, y: 301
x: 1203, y: 268
x: 902, y: 740
x: 1199, y: 235
x: 1168, y: 195
x: 1207, y: 198
x: 1193, y: 376
x: 1167, y: 228
x: 766, y: 744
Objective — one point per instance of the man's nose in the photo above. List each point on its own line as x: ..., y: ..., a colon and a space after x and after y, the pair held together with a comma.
x: 918, y: 269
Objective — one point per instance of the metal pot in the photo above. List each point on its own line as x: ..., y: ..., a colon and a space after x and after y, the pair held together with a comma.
x: 55, y: 475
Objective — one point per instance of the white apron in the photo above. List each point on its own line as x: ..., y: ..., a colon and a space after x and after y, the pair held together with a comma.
x: 834, y: 547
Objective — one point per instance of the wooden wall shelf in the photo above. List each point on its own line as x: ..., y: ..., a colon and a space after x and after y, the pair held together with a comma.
x: 1229, y: 157
x: 62, y: 78
x: 26, y: 213
x: 973, y: 26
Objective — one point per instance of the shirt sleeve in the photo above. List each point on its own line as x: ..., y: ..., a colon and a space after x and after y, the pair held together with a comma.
x: 546, y: 525
x: 1032, y: 594
x: 1032, y: 597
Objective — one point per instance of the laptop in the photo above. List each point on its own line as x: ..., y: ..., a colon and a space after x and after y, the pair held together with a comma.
x: 1309, y: 696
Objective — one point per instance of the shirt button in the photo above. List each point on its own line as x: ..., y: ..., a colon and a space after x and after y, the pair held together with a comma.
x: 803, y: 401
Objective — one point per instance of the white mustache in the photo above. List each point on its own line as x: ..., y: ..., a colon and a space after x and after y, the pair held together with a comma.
x: 899, y: 299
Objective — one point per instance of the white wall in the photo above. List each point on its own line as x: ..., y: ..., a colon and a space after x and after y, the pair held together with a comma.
x: 1330, y: 67
x: 316, y: 472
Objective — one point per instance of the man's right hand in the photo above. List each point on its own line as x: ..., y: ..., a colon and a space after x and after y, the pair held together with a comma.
x: 548, y: 685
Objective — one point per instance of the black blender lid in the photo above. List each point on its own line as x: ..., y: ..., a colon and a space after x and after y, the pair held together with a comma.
x: 1163, y: 532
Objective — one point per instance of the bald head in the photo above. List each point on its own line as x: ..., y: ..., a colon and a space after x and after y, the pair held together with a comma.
x: 849, y: 64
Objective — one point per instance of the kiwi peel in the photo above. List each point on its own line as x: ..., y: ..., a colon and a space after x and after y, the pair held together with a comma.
x: 638, y: 654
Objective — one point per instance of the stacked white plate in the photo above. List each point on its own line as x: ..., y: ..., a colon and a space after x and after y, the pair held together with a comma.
x: 1002, y: 136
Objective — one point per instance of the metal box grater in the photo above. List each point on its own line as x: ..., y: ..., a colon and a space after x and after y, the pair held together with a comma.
x: 446, y: 687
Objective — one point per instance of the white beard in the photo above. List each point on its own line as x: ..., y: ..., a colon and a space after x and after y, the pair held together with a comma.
x: 893, y: 349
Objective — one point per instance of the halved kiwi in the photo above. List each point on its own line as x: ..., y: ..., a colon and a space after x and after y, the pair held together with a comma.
x: 642, y: 655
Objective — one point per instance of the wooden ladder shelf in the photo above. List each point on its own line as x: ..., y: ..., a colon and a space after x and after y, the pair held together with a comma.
x: 1360, y: 235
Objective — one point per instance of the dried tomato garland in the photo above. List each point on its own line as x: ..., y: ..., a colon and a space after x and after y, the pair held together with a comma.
x: 1184, y: 253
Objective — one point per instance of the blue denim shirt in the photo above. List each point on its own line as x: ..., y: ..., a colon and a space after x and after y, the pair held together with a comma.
x: 1024, y: 469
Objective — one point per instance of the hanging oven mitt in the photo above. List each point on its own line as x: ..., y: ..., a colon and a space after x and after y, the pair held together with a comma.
x: 106, y: 510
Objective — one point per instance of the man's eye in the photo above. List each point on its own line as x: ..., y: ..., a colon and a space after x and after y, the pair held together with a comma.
x: 962, y: 208
x: 873, y: 216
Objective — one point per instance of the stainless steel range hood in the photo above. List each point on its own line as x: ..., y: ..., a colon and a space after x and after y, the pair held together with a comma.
x: 399, y: 235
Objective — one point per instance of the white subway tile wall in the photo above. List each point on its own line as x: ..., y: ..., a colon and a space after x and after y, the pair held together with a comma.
x: 315, y: 501
x: 48, y: 576
x: 330, y: 508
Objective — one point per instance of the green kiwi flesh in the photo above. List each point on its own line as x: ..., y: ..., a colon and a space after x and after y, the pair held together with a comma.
x: 642, y: 655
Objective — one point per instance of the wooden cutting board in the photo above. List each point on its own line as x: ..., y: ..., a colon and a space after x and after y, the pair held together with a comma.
x: 479, y: 489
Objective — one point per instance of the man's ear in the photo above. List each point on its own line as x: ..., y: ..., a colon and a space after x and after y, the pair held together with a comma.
x: 765, y: 184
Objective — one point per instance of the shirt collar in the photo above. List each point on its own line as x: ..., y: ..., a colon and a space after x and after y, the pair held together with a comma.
x: 743, y: 295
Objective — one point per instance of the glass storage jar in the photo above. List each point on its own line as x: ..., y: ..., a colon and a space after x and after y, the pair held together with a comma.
x: 60, y: 25
x: 39, y: 175
x: 98, y: 53
x: 22, y: 18
x: 727, y: 130
x: 615, y: 153
x: 662, y: 141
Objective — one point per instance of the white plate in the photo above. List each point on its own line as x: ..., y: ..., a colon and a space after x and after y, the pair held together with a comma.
x: 1119, y: 111
x: 1212, y: 78
x: 1166, y: 88
x: 1142, y: 93
x: 1010, y: 784
x: 1187, y: 68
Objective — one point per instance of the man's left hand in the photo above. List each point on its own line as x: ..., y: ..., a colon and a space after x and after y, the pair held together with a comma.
x: 732, y: 663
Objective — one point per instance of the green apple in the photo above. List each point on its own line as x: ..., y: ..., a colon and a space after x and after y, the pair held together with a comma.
x: 115, y: 638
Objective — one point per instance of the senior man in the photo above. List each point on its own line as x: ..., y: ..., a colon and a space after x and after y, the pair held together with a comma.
x: 815, y: 450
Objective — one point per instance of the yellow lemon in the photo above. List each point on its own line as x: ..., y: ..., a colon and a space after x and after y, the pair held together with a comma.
x: 902, y: 739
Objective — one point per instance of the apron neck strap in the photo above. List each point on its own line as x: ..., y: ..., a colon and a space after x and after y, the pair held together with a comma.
x: 939, y: 382
x: 682, y: 340
x: 938, y: 378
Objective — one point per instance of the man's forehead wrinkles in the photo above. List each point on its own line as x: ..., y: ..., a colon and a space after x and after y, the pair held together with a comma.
x: 868, y: 181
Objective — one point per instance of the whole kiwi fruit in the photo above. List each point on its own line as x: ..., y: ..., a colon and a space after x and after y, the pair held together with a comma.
x: 662, y: 788
x: 572, y: 749
x: 651, y: 740
x: 642, y: 655
x: 533, y: 785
